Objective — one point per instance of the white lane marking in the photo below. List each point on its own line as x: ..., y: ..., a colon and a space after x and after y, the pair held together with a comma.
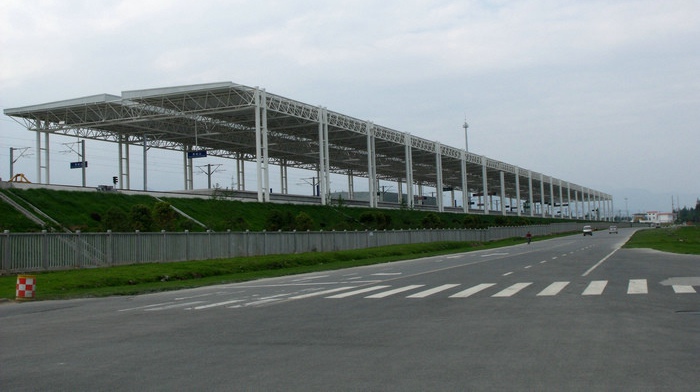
x: 324, y: 292
x: 553, y: 289
x: 146, y: 306
x: 494, y: 254
x: 387, y: 273
x: 507, y: 273
x: 360, y: 291
x: 265, y: 300
x: 554, y: 257
x: 217, y: 304
x: 512, y: 290
x: 310, y: 278
x: 681, y: 289
x: 432, y: 291
x: 454, y: 257
x: 637, y: 286
x: 596, y: 287
x: 395, y: 291
x: 180, y: 305
x: 599, y: 263
x: 564, y: 255
x: 528, y: 266
x: 472, y: 290
x: 543, y: 261
x: 194, y: 296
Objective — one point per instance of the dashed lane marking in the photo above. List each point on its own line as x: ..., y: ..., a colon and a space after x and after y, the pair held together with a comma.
x: 472, y: 290
x: 438, y: 289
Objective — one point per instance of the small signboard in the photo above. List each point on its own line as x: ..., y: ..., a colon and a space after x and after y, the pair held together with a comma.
x: 197, y: 154
x: 78, y: 165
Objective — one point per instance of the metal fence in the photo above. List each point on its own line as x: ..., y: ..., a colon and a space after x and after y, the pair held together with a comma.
x: 25, y: 252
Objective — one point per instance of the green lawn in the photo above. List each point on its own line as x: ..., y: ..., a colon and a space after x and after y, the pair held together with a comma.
x: 678, y: 239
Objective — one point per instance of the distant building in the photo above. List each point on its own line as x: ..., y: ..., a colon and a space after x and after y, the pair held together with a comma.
x: 654, y: 217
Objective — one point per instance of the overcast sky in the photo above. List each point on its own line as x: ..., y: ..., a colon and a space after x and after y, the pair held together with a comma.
x: 605, y: 94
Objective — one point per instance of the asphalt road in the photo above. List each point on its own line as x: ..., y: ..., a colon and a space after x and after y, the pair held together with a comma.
x: 572, y: 313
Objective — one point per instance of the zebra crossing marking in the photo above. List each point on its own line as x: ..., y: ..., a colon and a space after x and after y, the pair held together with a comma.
x: 324, y: 292
x: 553, y: 289
x: 360, y: 291
x: 596, y: 287
x: 683, y: 289
x: 637, y: 286
x: 385, y: 294
x: 438, y: 289
x: 472, y: 290
x: 512, y: 290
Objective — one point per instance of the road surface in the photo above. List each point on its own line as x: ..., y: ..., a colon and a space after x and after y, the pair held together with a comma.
x: 571, y: 313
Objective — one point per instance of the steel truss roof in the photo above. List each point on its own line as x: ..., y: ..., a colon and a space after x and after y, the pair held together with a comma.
x: 221, y: 118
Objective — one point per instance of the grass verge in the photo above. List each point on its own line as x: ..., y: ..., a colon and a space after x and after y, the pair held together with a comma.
x: 148, y: 278
x: 677, y: 239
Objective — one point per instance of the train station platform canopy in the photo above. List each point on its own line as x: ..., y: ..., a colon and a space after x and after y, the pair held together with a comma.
x: 247, y: 123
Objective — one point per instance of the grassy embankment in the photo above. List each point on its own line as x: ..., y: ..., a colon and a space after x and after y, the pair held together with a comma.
x: 88, y: 211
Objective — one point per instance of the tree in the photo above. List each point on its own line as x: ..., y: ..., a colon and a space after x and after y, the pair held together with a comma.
x: 164, y: 216
x: 303, y: 222
x: 431, y: 221
x: 116, y: 220
x: 140, y: 218
x: 278, y: 220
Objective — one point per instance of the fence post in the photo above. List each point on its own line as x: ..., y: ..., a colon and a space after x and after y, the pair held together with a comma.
x: 139, y: 256
x: 228, y: 243
x: 110, y: 248
x: 209, y: 243
x: 163, y: 246
x: 187, y: 245
x: 44, y: 250
x: 6, y: 250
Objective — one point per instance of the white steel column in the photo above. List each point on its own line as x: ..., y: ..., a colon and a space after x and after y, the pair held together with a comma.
x: 371, y: 166
x: 531, y: 198
x: 284, y: 182
x: 240, y: 173
x: 517, y: 190
x: 324, y: 172
x: 438, y: 166
x: 561, y: 202
x: 542, y: 200
x: 39, y: 151
x: 568, y: 198
x: 124, y: 161
x: 576, y: 203
x: 258, y: 147
x: 190, y: 174
x: 587, y: 204
x: 351, y: 185
x: 145, y: 162
x: 265, y: 146
x: 409, y: 171
x: 185, y: 167
x: 551, y: 196
x: 503, y: 192
x: 485, y: 186
x: 466, y: 200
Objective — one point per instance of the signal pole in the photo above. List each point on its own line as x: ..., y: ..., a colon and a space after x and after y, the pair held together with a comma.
x: 466, y: 137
